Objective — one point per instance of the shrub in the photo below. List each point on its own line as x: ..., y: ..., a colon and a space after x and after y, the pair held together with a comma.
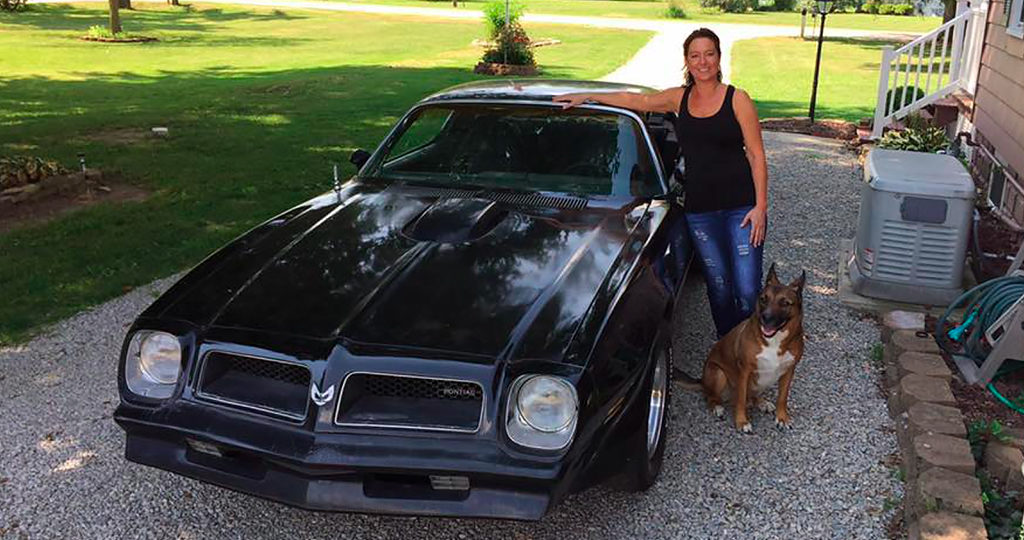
x: 902, y: 9
x: 494, y: 15
x: 886, y: 9
x: 12, y: 5
x: 784, y: 5
x: 100, y: 32
x: 512, y: 46
x: 898, y: 93
x: 16, y: 171
x: 675, y: 10
x: 869, y: 7
x: 928, y: 139
x: 729, y: 6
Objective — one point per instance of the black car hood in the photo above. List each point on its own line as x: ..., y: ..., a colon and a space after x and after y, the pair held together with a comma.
x: 401, y: 267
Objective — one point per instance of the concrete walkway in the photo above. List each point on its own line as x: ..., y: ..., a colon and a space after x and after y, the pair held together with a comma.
x: 659, y: 64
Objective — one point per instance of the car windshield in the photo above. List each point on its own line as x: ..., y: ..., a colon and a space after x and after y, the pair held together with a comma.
x: 533, y: 148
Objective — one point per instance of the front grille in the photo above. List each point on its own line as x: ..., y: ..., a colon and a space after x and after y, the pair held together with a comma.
x: 409, y: 402
x: 269, y: 386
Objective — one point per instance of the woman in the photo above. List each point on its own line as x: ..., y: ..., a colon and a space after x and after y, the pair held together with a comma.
x: 725, y: 174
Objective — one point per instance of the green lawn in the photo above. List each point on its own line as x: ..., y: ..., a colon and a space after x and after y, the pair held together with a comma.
x: 778, y: 73
x: 656, y: 10
x: 259, y: 104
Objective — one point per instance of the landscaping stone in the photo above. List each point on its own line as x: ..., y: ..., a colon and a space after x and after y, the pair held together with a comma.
x: 940, y: 489
x: 893, y: 399
x: 935, y: 418
x: 916, y: 388
x: 1004, y: 463
x: 1016, y: 436
x: 908, y: 340
x: 892, y: 370
x: 929, y: 418
x: 947, y: 526
x: 896, y: 320
x: 934, y: 450
x: 931, y: 365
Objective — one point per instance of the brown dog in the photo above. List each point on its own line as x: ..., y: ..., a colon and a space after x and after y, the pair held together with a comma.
x: 757, y: 353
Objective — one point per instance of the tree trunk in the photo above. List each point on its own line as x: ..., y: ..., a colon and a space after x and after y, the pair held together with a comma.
x: 124, y: 4
x: 115, y: 17
x: 949, y: 10
x: 173, y: 3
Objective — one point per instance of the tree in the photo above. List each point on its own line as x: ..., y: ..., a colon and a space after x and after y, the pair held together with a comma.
x: 115, y: 16
x: 124, y: 4
x: 949, y: 10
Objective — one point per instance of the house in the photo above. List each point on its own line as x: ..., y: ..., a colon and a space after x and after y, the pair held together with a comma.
x: 969, y: 73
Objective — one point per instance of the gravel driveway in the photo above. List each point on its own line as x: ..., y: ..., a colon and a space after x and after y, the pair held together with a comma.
x: 62, y: 474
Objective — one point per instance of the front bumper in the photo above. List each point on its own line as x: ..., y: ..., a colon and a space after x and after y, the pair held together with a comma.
x: 349, y: 472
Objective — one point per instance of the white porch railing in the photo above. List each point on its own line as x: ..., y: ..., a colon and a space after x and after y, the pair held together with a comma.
x: 931, y: 67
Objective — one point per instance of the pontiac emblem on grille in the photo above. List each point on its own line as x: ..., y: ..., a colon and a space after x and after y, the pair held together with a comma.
x: 454, y: 392
x: 321, y: 398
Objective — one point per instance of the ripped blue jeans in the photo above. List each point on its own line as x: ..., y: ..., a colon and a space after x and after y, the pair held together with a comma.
x: 732, y: 267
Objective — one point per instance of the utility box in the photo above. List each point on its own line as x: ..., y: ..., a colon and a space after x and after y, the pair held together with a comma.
x: 915, y: 218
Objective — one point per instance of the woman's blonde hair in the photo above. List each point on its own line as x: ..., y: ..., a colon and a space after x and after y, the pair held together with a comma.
x: 701, y: 33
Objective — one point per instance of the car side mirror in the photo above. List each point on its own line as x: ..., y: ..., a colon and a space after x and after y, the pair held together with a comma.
x: 676, y: 192
x: 675, y: 187
x: 359, y: 158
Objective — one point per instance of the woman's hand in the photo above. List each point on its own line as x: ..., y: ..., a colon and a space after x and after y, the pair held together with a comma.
x: 570, y: 100
x: 757, y: 218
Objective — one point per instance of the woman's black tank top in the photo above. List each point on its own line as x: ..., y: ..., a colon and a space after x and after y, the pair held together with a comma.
x: 716, y: 171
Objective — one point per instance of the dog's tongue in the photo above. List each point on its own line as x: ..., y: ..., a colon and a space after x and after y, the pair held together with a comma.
x: 768, y: 332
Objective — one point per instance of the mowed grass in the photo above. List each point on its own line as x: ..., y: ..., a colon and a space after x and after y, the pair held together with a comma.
x: 778, y: 74
x: 642, y: 9
x: 259, y: 103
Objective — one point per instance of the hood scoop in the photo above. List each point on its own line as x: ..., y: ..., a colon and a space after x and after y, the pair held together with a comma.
x: 453, y: 221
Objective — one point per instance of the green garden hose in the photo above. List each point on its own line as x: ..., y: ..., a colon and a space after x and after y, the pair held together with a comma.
x: 983, y: 306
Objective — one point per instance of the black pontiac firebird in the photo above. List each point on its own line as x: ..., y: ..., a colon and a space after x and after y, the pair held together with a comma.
x: 476, y: 324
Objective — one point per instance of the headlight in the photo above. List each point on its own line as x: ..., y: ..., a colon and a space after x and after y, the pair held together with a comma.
x: 153, y: 364
x: 542, y: 412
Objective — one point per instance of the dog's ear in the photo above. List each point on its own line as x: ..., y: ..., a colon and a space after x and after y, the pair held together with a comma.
x: 798, y: 283
x: 772, y: 278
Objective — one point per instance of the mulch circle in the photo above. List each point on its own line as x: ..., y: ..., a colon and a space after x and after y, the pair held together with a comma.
x: 490, y: 68
x: 141, y: 39
x: 54, y: 196
x: 831, y: 129
x: 976, y: 402
x: 997, y: 238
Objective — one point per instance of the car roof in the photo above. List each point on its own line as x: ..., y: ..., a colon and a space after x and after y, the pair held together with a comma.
x: 528, y: 90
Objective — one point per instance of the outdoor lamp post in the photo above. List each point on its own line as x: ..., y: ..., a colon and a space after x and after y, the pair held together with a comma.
x: 823, y: 7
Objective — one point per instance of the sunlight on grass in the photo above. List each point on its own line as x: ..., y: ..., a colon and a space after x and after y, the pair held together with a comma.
x: 778, y: 73
x: 264, y: 119
x: 260, y: 104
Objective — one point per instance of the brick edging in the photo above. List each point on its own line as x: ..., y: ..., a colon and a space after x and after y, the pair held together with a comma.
x: 943, y: 497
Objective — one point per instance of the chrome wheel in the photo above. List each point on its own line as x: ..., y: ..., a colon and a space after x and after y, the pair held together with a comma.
x: 656, y: 410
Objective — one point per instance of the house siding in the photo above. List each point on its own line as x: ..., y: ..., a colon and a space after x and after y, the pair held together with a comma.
x: 999, y: 99
x: 999, y: 102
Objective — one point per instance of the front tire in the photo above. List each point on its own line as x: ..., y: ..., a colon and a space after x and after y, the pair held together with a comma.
x: 648, y: 447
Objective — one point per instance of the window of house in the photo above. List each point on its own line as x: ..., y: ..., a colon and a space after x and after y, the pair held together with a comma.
x: 1015, y: 22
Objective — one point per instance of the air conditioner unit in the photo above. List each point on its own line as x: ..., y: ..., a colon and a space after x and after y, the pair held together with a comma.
x: 914, y: 222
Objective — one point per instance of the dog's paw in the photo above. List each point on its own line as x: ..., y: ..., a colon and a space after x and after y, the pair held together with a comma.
x: 766, y: 406
x: 719, y: 411
x: 746, y: 428
x: 783, y: 423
